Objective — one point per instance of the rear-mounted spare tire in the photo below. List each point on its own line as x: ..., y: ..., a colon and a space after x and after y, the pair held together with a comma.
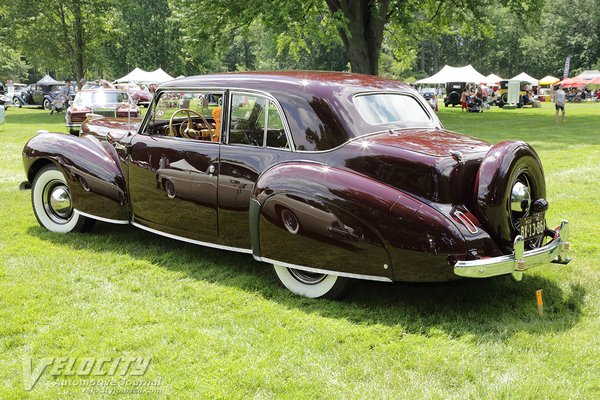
x: 509, y: 180
x: 454, y: 98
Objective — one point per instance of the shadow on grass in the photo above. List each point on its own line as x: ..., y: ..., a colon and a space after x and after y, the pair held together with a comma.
x: 489, y: 309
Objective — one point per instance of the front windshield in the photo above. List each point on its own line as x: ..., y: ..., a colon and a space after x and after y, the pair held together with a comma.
x: 385, y: 108
x: 101, y: 97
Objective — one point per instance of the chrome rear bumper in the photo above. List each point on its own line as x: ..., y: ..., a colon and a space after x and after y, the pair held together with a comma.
x: 556, y: 251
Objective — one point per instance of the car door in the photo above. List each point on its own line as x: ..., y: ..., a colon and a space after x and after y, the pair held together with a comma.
x: 256, y: 139
x: 38, y: 94
x: 173, y: 173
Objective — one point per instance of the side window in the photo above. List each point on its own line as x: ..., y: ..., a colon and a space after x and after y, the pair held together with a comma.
x: 275, y: 131
x: 190, y: 115
x: 255, y: 121
x: 247, y: 125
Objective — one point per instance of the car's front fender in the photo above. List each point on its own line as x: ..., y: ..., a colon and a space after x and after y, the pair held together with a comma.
x: 91, y: 169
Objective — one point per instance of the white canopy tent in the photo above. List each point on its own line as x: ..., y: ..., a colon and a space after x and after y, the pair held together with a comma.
x: 158, y: 76
x: 493, y: 79
x: 134, y: 76
x: 590, y: 74
x: 138, y: 75
x: 523, y: 77
x: 455, y: 74
x: 48, y: 80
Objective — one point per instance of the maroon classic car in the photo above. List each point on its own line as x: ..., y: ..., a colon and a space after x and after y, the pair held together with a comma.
x: 328, y: 177
x: 101, y: 102
x: 138, y: 95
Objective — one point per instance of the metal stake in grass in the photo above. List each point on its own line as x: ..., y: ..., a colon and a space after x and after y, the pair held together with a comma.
x: 540, y: 303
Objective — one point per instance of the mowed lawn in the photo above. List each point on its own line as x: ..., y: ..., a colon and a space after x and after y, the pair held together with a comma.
x: 217, y: 325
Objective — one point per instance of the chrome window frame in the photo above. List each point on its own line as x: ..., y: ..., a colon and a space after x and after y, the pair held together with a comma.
x: 269, y: 98
x: 423, y: 106
x: 143, y: 127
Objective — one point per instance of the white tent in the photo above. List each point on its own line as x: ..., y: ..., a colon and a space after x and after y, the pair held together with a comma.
x: 525, y: 78
x: 455, y: 74
x: 140, y: 76
x: 590, y: 74
x: 493, y: 79
x: 134, y: 76
x: 48, y: 80
x: 158, y: 76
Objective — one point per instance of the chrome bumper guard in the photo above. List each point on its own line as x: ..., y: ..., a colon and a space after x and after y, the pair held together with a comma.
x: 556, y: 251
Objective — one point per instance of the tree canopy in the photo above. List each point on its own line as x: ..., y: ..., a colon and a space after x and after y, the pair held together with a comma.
x: 401, y: 39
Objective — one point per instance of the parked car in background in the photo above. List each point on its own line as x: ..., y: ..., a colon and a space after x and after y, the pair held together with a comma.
x: 137, y: 94
x: 502, y: 93
x: 326, y: 176
x: 428, y: 93
x: 99, y: 102
x: 37, y: 95
x: 453, y: 93
x: 14, y: 88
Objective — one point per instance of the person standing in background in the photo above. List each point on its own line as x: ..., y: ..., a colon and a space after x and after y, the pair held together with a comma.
x: 559, y: 98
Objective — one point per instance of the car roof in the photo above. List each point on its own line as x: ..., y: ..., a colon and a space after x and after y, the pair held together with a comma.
x: 288, y: 79
x: 318, y: 105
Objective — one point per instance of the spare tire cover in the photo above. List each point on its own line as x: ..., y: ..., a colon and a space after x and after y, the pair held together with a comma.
x: 503, y: 166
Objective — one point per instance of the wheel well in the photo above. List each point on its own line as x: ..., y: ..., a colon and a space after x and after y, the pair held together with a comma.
x: 35, y: 168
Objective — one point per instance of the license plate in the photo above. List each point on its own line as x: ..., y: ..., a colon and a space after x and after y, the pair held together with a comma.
x: 533, y: 226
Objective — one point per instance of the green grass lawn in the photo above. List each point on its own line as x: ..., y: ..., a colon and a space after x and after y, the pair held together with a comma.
x: 217, y: 325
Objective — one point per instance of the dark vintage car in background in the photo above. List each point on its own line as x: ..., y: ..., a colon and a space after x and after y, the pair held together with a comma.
x: 453, y: 93
x: 329, y: 177
x: 99, y: 102
x: 37, y: 95
x: 428, y: 93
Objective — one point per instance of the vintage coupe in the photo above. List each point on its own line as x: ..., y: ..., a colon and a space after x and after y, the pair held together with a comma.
x: 326, y: 176
x: 101, y: 102
x: 138, y: 95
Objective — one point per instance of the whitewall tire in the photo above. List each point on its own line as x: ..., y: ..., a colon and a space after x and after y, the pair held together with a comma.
x: 312, y: 285
x: 52, y: 203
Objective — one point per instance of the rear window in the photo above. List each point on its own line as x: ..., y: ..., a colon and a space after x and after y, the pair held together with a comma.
x: 384, y: 108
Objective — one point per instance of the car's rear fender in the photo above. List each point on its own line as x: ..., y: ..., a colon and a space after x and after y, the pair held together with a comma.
x: 377, y: 229
x: 333, y: 209
x: 91, y: 169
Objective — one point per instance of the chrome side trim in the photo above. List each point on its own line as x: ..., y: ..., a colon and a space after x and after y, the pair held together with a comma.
x: 192, y: 241
x: 557, y: 251
x: 324, y: 271
x: 109, y: 220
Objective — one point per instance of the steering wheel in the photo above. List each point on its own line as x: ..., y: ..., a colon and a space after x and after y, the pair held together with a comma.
x: 189, y: 132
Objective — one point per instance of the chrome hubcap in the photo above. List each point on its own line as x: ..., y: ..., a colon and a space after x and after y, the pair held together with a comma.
x: 57, y: 202
x: 520, y: 198
x: 60, y: 201
x: 308, y: 278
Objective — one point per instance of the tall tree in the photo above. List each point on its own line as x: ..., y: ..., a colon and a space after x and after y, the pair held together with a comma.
x: 360, y: 24
x: 59, y: 35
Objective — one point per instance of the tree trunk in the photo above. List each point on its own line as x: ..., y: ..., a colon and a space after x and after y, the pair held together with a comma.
x: 362, y: 33
x: 79, y: 42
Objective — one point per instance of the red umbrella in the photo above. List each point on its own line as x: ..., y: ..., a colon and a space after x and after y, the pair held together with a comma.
x: 573, y: 82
